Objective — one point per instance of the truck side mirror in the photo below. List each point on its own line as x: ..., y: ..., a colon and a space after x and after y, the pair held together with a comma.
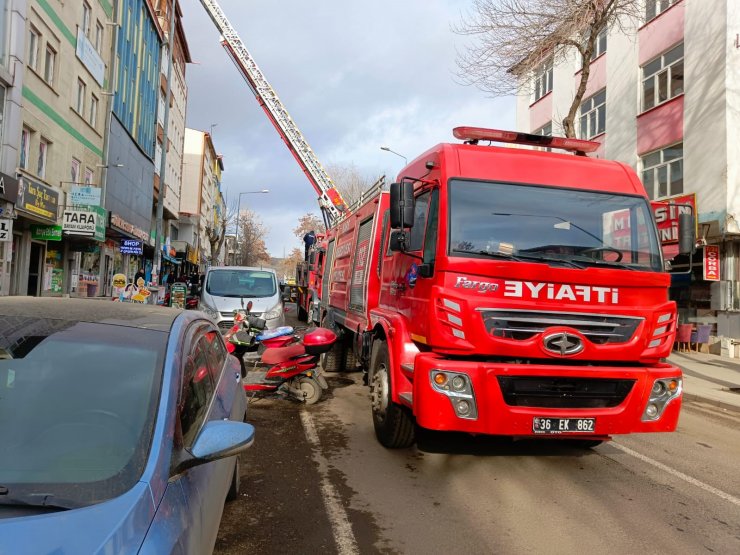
x: 402, y: 205
x: 686, y: 233
x: 397, y: 241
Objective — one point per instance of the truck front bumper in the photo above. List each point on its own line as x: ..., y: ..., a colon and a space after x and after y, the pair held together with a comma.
x: 507, y: 398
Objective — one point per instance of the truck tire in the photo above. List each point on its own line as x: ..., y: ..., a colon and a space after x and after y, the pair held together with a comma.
x: 333, y: 359
x: 302, y: 313
x: 350, y: 358
x: 394, y: 425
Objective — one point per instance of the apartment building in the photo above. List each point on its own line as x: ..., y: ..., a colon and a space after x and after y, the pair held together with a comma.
x: 662, y: 96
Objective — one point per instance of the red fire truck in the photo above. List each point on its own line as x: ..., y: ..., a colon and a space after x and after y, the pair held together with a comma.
x: 308, y: 282
x: 508, y: 291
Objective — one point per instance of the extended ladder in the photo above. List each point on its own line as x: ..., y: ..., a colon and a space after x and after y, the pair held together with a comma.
x: 330, y: 200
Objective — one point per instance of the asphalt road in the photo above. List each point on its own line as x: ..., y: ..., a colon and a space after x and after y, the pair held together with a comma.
x: 316, y: 481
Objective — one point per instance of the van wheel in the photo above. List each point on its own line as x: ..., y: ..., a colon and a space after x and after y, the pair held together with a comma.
x: 394, y: 425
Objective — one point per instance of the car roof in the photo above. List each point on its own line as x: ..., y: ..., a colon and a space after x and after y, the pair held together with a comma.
x: 255, y: 268
x: 136, y: 315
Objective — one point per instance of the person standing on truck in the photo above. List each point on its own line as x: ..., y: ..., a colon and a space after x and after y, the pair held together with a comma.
x: 308, y: 240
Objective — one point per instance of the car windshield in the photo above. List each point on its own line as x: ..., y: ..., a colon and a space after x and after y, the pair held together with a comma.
x: 78, y: 403
x: 241, y: 283
x: 574, y: 228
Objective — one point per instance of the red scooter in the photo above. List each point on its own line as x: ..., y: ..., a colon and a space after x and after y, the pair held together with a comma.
x: 278, y: 362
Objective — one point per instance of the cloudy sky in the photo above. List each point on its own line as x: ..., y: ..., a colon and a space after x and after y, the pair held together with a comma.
x: 354, y: 75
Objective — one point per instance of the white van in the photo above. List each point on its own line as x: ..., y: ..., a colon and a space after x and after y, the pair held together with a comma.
x: 227, y: 288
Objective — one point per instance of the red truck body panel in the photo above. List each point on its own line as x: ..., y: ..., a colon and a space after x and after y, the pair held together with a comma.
x: 459, y: 318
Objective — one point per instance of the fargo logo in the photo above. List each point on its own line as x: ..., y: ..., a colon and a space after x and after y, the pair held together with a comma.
x: 480, y: 286
x: 561, y: 292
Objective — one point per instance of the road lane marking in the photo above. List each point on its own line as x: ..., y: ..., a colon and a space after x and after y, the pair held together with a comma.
x: 678, y: 474
x: 342, y: 529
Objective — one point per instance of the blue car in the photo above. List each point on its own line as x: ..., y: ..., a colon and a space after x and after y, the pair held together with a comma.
x: 119, y: 428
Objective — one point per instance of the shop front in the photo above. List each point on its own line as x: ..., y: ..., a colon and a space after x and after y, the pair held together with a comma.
x: 8, y: 196
x: 36, y: 207
x: 129, y: 248
x: 84, y: 232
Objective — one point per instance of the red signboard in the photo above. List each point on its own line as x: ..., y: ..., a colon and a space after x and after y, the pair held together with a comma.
x: 666, y: 219
x: 711, y: 263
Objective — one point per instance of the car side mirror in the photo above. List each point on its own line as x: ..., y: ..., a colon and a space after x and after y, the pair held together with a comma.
x: 217, y: 440
x: 402, y: 205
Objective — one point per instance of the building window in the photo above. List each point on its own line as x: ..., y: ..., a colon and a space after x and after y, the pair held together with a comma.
x: 88, y: 176
x: 86, y: 18
x: 662, y: 172
x: 662, y: 79
x: 98, y: 37
x: 33, y: 49
x: 81, y: 92
x: 600, y: 45
x: 75, y: 173
x: 543, y: 80
x: 49, y: 62
x: 93, y: 111
x: 25, y: 147
x: 593, y: 116
x: 43, y: 153
x: 653, y: 8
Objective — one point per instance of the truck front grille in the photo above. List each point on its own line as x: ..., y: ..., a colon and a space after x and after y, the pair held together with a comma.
x: 598, y: 328
x: 558, y: 392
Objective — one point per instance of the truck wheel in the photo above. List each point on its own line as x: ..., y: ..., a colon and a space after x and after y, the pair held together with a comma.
x: 332, y: 360
x: 302, y: 313
x: 350, y: 359
x: 394, y: 426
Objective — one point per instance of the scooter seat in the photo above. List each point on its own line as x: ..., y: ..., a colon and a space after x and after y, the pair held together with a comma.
x: 276, y: 356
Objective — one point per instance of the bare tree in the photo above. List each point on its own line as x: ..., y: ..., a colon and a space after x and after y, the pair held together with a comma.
x: 306, y: 223
x: 516, y: 37
x: 216, y: 232
x: 252, y: 232
x: 350, y: 181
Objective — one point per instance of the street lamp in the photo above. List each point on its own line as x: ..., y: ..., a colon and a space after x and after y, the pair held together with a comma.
x: 238, y: 215
x: 394, y: 152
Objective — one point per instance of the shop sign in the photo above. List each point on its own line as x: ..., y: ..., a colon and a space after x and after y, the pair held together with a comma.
x: 192, y: 255
x: 711, y: 262
x: 57, y: 277
x: 6, y: 230
x: 89, y: 57
x: 88, y: 221
x: 132, y: 246
x: 666, y: 215
x: 131, y: 229
x: 8, y: 187
x: 86, y: 196
x: 46, y: 232
x: 37, y: 199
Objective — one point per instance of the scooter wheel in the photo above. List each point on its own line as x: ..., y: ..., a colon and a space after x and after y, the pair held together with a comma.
x: 311, y: 390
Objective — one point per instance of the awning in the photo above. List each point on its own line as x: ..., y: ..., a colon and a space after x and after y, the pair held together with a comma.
x: 168, y: 258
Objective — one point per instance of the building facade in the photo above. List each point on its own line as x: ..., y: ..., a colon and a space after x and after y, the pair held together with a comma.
x: 662, y: 96
x: 12, y: 60
x: 60, y: 223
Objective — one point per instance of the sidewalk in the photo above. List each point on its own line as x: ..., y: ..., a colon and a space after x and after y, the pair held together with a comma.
x: 709, y: 378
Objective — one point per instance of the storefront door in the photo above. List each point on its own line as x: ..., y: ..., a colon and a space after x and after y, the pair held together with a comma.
x: 35, y: 269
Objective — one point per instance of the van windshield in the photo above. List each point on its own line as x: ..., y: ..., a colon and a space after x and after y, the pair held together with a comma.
x: 571, y: 227
x: 241, y: 283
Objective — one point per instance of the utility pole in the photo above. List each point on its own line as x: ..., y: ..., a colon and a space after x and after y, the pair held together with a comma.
x: 163, y: 159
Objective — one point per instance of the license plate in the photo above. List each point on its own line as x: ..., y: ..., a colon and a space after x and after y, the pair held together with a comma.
x: 544, y: 425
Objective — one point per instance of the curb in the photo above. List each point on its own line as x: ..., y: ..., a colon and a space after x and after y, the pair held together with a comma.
x: 712, y: 402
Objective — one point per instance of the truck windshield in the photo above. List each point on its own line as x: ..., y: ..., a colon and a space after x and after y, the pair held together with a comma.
x: 241, y: 283
x: 575, y: 227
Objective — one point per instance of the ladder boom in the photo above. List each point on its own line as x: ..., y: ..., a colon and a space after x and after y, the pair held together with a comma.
x: 330, y: 199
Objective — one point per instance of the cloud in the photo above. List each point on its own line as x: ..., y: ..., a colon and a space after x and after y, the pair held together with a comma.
x: 354, y: 76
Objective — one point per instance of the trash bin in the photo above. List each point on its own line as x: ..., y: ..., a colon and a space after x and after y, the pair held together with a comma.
x: 92, y: 289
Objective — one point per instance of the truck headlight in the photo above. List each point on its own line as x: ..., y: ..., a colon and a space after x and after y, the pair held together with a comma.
x: 664, y: 390
x: 273, y: 313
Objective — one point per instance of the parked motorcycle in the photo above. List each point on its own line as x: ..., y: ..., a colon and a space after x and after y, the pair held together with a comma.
x: 279, y: 362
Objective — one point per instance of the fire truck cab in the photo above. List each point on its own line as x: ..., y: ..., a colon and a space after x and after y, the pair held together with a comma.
x: 508, y: 291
